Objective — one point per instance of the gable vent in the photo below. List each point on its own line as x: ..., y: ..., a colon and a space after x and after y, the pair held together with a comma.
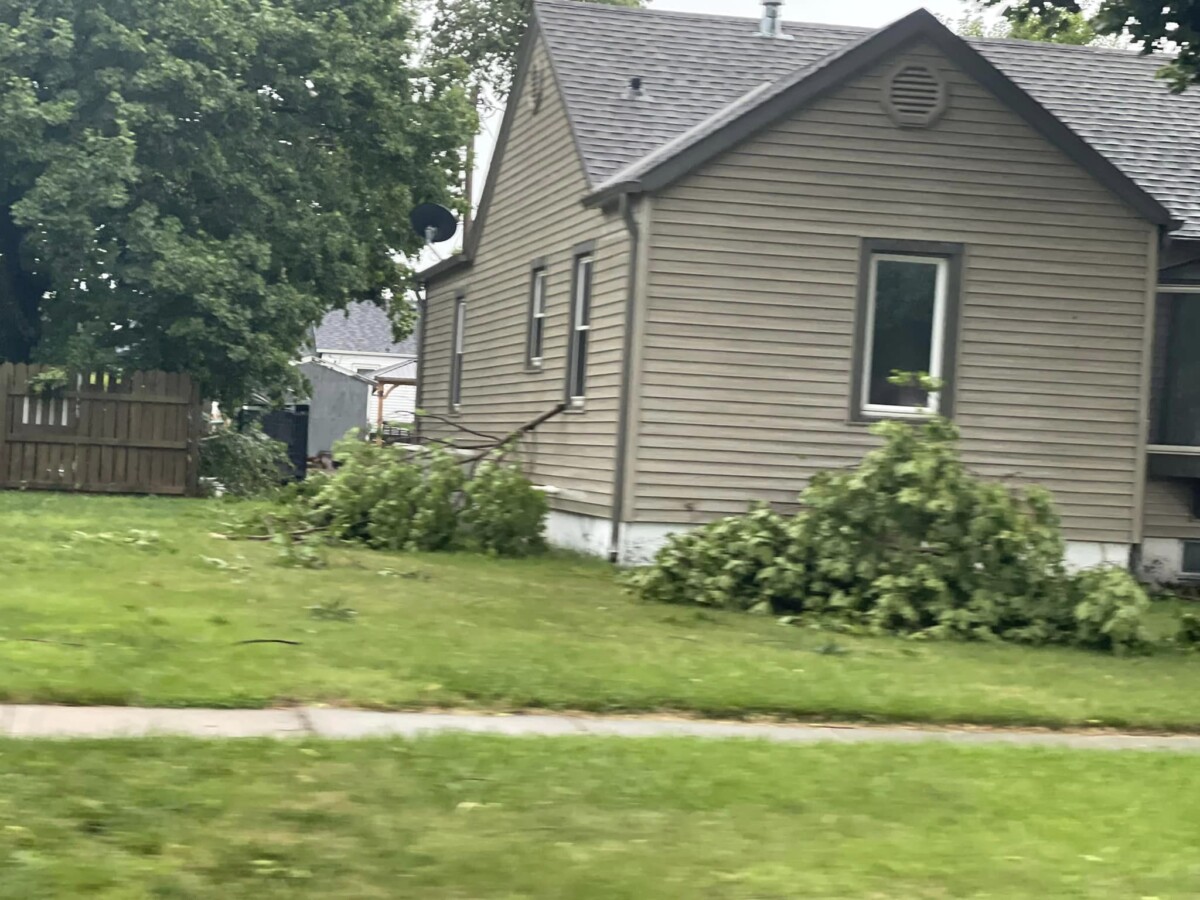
x: 914, y: 96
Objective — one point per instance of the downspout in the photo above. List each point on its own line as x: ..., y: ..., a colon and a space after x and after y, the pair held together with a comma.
x: 1145, y: 392
x: 618, y: 501
x: 422, y: 312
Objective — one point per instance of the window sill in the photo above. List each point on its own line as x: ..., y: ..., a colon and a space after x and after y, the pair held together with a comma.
x: 870, y: 418
x: 531, y: 369
x: 576, y: 406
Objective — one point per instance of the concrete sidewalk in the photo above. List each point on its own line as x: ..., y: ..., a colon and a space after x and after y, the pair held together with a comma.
x: 111, y: 722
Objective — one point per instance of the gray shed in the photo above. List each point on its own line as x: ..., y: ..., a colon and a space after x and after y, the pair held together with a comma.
x: 336, y: 403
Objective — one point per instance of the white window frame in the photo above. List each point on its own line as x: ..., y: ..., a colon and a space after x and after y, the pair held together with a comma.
x: 537, y: 319
x: 937, y: 345
x: 456, y: 353
x: 581, y: 324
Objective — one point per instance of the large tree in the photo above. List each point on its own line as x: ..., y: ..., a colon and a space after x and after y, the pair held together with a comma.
x: 1152, y: 25
x: 485, y: 33
x: 191, y: 184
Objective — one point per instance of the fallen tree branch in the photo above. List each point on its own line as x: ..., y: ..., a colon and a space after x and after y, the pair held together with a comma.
x: 44, y: 641
x: 269, y: 641
x: 267, y: 537
x: 511, y: 438
x: 448, y: 421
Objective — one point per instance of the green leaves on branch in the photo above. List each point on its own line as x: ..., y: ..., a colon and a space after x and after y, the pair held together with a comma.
x: 1151, y: 25
x: 908, y: 542
x: 393, y: 498
x: 244, y: 463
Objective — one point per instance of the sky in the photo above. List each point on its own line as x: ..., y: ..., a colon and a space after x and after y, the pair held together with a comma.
x: 833, y: 12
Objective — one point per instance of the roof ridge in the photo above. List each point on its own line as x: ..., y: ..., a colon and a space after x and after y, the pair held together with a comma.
x: 679, y: 14
x: 1050, y: 46
x: 1045, y: 46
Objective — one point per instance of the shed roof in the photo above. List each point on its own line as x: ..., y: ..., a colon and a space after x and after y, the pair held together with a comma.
x: 360, y: 328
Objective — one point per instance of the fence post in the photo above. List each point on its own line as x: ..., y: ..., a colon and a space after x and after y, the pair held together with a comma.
x: 6, y: 371
x: 194, y: 434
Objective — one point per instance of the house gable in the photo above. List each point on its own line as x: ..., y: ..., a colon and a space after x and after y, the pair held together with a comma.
x: 767, y: 104
x: 752, y: 304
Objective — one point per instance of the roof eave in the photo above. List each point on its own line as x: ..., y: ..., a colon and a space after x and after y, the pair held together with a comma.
x: 444, y: 267
x: 611, y: 192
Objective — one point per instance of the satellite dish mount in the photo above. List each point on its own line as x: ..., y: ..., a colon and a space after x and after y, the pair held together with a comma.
x: 433, y: 223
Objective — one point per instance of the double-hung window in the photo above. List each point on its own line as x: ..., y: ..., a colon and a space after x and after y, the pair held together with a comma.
x: 456, y: 352
x: 577, y: 350
x: 537, y: 317
x: 907, y: 323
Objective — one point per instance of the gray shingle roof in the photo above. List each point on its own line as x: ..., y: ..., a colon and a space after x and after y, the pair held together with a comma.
x: 361, y: 328
x: 694, y: 66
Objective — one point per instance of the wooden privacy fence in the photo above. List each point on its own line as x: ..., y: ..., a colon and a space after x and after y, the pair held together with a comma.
x: 130, y: 433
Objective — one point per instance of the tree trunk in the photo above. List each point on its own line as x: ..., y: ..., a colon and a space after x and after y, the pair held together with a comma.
x: 20, y: 296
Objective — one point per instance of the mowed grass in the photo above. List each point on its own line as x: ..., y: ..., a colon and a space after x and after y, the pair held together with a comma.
x: 471, y: 817
x: 89, y: 615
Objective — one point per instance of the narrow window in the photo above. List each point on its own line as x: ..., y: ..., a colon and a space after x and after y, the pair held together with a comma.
x: 537, y: 318
x: 907, y: 323
x: 456, y: 358
x: 581, y: 301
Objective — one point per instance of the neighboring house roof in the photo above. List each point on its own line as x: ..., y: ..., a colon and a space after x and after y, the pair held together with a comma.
x: 405, y: 368
x: 360, y: 328
x: 700, y: 73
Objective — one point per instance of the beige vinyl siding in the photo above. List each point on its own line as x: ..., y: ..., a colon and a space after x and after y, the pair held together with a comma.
x: 536, y: 213
x: 1169, y: 509
x: 752, y: 301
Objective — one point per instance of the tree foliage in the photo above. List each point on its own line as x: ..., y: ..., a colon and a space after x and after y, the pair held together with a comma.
x: 486, y: 33
x: 395, y: 498
x: 1050, y: 26
x: 190, y: 185
x: 244, y: 463
x: 908, y: 542
x: 1152, y: 25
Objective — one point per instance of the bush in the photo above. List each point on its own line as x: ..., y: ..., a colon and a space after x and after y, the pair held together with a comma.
x: 245, y: 463
x: 501, y: 513
x: 908, y: 542
x: 735, y: 563
x: 391, y: 499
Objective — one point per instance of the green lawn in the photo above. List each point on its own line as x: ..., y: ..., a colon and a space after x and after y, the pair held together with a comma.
x: 88, y: 617
x: 460, y: 817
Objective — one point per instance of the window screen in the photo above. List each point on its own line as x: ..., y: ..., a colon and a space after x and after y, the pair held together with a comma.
x: 905, y: 324
x: 581, y: 314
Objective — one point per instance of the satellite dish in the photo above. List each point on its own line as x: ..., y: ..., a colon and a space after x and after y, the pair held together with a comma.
x: 434, y: 223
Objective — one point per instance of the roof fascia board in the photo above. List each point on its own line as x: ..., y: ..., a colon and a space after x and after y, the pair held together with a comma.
x: 914, y: 27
